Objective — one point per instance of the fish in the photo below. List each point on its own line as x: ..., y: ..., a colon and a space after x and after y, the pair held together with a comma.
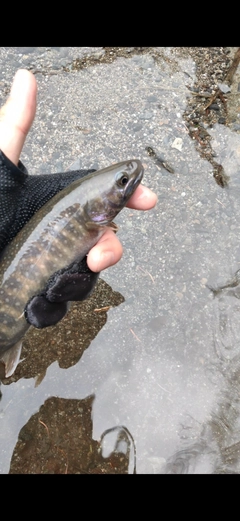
x: 56, y: 238
x: 22, y: 195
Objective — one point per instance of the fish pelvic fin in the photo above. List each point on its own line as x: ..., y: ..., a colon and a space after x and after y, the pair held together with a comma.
x: 9, y: 360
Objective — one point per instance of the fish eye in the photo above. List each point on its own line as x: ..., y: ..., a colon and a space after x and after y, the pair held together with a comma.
x: 122, y: 179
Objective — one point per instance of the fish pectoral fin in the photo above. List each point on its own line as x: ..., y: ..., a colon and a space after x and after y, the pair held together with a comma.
x: 10, y: 359
x: 92, y: 225
x: 113, y: 226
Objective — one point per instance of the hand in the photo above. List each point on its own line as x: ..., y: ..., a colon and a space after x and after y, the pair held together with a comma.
x: 16, y: 118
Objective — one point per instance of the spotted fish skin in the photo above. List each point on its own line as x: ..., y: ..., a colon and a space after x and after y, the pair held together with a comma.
x: 59, y: 234
x: 22, y: 195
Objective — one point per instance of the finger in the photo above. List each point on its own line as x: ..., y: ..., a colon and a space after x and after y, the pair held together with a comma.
x: 108, y: 251
x: 142, y: 199
x: 17, y: 115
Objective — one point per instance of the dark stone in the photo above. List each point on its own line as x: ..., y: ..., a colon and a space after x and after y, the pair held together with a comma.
x: 214, y: 106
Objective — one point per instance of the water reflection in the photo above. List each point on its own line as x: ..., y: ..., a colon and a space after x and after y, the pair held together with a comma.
x: 226, y: 327
x: 67, y: 341
x: 216, y: 449
x: 58, y: 440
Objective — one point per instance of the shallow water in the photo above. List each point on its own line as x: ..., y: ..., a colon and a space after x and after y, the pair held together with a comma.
x: 151, y: 384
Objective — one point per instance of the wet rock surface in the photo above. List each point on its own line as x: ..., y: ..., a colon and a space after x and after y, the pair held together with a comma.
x: 152, y: 358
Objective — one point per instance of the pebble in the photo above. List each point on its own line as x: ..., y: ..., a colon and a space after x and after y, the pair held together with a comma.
x: 224, y: 88
x: 236, y: 126
x: 177, y: 143
x: 146, y: 115
x: 214, y: 106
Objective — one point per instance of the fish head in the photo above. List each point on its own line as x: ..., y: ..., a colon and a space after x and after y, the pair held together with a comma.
x: 127, y: 178
x: 118, y: 183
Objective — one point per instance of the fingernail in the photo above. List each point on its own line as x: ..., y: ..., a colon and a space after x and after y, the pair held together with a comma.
x: 17, y: 80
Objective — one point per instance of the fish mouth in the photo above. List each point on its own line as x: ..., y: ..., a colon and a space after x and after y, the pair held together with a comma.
x: 137, y: 179
x: 136, y: 166
x: 137, y: 174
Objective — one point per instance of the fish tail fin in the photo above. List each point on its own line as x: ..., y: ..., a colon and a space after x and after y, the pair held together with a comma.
x: 9, y: 360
